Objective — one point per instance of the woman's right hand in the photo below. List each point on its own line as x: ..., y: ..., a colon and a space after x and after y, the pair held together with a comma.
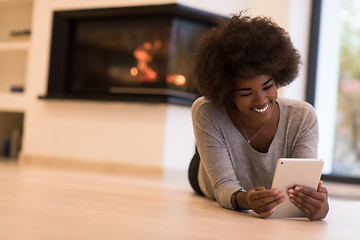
x: 263, y: 201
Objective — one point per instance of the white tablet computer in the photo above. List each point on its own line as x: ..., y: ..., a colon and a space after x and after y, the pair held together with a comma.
x: 290, y: 172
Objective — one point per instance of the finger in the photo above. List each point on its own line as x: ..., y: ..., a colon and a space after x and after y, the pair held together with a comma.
x: 269, y: 199
x: 259, y: 188
x: 267, y: 213
x: 319, y: 186
x: 263, y: 194
x: 312, y: 193
x: 304, y: 202
x: 323, y: 190
x: 302, y: 208
x: 269, y: 205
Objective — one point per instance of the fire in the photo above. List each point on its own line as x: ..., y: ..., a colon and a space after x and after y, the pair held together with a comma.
x: 144, y: 56
x: 134, y: 71
x: 176, y: 79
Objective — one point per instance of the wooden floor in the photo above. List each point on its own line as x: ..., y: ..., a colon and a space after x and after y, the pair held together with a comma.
x: 38, y: 203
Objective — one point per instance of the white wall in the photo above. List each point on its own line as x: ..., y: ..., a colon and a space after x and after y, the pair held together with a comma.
x: 327, y: 75
x: 147, y: 135
x: 299, y: 29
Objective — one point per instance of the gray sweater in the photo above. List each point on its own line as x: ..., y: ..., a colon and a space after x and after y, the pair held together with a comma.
x: 228, y: 162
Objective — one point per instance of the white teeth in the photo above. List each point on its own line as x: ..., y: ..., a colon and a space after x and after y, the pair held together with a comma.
x: 262, y: 109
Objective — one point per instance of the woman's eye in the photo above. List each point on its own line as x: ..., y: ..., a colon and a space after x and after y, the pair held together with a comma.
x: 268, y: 87
x: 245, y: 95
x: 249, y: 93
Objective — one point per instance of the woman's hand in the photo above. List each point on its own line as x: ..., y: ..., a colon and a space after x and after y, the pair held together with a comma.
x: 264, y: 201
x: 314, y: 203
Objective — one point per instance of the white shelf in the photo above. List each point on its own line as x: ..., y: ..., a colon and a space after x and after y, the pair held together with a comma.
x: 14, y: 45
x: 12, y: 102
x: 9, y: 2
x: 15, y: 15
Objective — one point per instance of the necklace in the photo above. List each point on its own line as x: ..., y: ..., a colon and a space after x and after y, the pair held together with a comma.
x: 246, y: 136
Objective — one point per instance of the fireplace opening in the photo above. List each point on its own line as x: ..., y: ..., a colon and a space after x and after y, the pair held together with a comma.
x: 139, y: 53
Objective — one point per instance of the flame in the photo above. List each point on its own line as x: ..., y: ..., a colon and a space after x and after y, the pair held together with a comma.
x: 176, y: 79
x: 134, y: 71
x: 143, y: 55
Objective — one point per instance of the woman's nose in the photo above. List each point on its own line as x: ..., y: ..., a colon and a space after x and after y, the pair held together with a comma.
x: 259, y: 98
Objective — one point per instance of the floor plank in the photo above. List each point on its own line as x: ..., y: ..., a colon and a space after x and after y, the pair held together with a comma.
x: 38, y: 203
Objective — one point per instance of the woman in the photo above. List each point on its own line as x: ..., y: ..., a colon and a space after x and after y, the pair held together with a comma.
x: 241, y: 127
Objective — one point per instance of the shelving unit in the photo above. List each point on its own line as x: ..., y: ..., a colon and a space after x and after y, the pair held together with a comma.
x: 15, y: 15
x: 10, y: 137
x: 14, y: 46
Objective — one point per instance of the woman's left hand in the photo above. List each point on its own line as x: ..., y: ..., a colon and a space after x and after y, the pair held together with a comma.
x: 314, y: 203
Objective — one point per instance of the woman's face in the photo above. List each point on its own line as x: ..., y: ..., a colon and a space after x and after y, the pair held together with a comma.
x: 256, y: 98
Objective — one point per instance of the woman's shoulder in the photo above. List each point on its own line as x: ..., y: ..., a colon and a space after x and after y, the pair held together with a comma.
x: 295, y: 105
x: 296, y: 109
x: 199, y: 102
x: 205, y: 108
x: 204, y: 105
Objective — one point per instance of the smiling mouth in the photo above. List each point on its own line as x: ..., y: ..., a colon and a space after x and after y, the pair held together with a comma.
x: 261, y: 110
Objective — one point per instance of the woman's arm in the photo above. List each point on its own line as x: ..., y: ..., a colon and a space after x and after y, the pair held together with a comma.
x: 214, y: 153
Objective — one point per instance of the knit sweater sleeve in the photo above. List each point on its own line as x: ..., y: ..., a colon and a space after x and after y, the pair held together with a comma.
x: 214, y: 152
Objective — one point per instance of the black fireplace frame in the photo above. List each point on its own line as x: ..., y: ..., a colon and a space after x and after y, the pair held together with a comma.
x: 61, y: 35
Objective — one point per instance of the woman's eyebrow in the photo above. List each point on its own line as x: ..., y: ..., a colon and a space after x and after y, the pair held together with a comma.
x: 269, y: 80
x: 243, y: 89
x: 248, y: 89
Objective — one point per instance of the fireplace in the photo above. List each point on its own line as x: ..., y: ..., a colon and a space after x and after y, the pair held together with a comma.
x: 141, y: 53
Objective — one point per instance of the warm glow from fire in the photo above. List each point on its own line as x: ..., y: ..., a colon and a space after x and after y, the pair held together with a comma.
x: 176, y: 79
x: 144, y: 56
x: 134, y: 71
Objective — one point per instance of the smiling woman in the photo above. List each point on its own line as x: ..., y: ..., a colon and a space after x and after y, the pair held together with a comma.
x: 255, y: 108
x: 241, y: 126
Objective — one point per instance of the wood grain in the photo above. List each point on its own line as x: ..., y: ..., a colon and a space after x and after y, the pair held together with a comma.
x: 38, y: 203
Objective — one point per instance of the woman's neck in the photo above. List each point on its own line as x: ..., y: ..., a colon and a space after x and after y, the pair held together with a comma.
x: 258, y: 134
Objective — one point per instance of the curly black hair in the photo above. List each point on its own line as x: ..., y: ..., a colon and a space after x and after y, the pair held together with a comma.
x: 241, y: 48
